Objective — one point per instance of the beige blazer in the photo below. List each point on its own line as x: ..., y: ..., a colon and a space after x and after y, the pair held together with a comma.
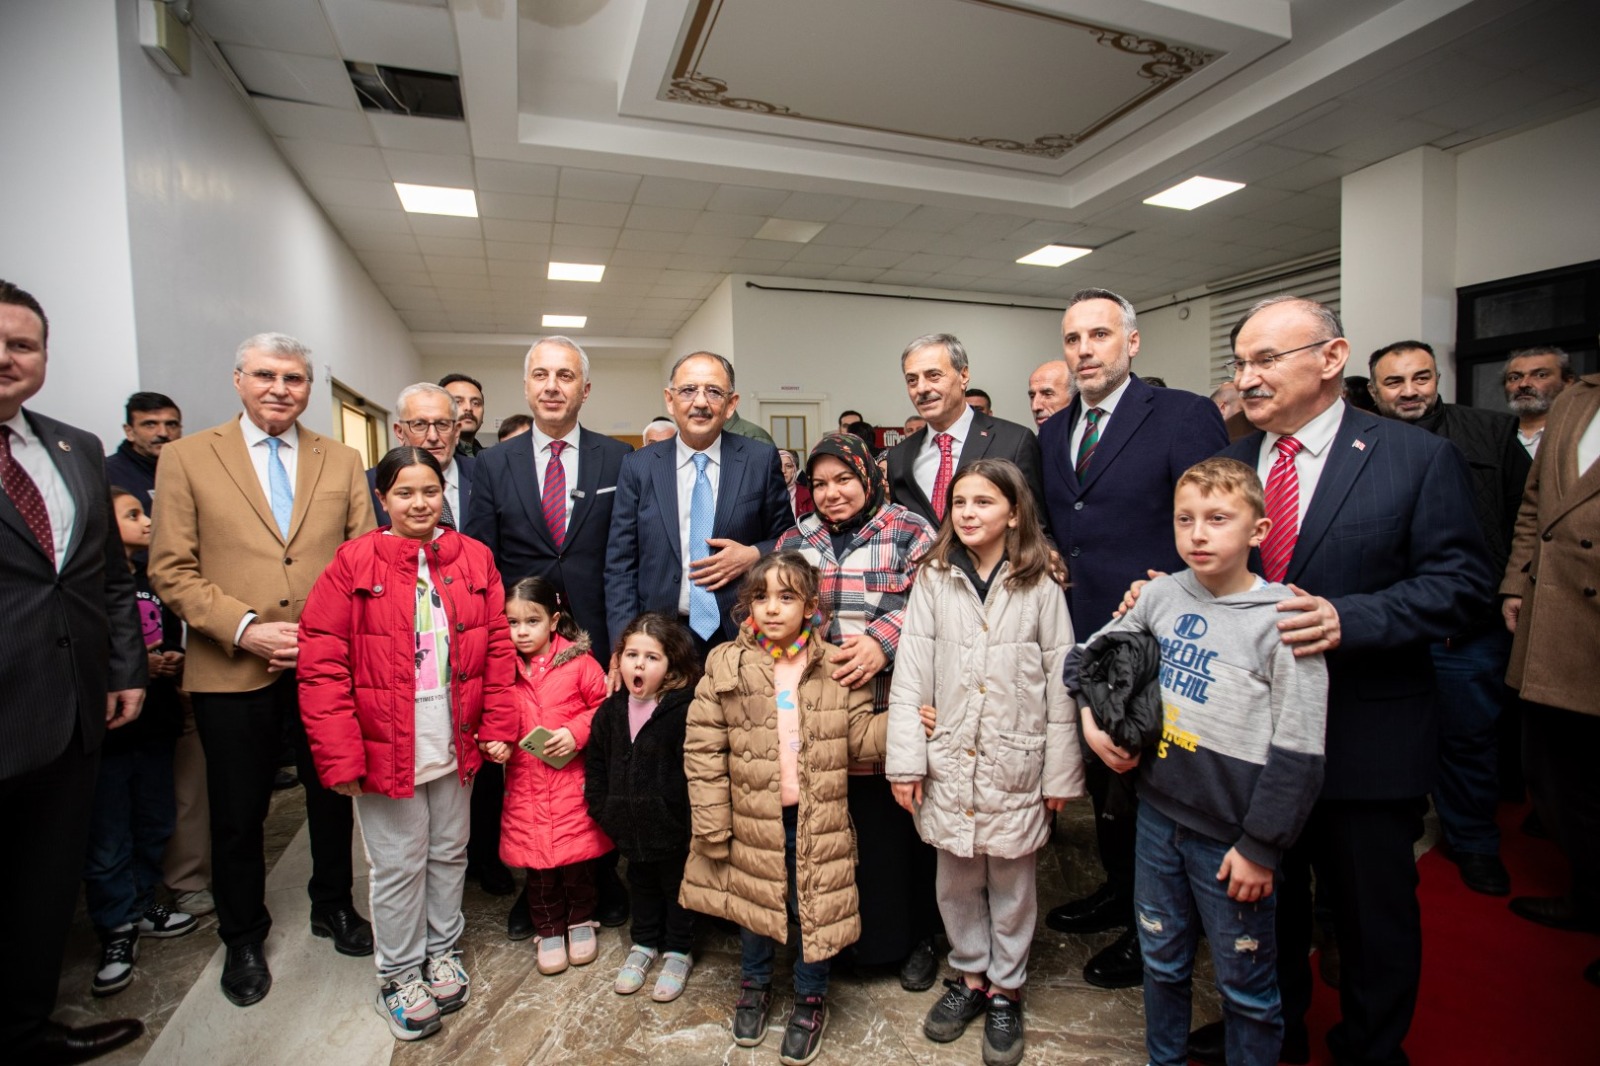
x: 216, y: 553
x: 1555, y: 564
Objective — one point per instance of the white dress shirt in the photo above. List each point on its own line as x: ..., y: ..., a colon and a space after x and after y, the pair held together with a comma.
x: 1316, y: 438
x: 1589, y: 445
x: 1107, y: 406
x: 1530, y: 442
x: 452, y: 490
x: 33, y: 455
x: 255, y: 439
x: 569, y: 462
x: 686, y: 476
x: 926, y: 467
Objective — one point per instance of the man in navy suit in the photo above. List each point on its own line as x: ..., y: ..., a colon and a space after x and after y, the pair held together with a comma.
x: 426, y: 416
x: 1111, y: 459
x: 702, y: 481
x: 1375, y: 524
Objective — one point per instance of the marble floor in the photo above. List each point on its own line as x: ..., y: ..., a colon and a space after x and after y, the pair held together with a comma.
x: 320, y: 1008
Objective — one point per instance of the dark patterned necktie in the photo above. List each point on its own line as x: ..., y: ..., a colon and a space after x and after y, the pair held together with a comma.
x: 1091, y: 438
x: 554, y: 497
x: 25, y: 495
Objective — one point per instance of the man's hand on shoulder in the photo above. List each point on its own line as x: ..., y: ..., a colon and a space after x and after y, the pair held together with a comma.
x: 1314, y: 626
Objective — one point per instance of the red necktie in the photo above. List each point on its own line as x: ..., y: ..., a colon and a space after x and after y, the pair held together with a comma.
x: 555, y: 494
x: 25, y: 495
x: 941, y: 481
x: 1283, y: 507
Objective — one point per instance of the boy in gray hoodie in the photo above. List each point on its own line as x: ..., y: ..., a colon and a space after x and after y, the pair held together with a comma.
x: 1233, y: 778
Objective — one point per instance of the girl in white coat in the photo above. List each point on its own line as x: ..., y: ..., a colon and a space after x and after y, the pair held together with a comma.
x: 985, y: 635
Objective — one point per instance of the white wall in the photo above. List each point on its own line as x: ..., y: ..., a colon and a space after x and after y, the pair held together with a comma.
x: 63, y: 216
x: 1175, y: 347
x: 709, y: 329
x: 226, y: 243
x: 625, y: 393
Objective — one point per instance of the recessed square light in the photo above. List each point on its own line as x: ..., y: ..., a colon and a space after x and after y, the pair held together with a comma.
x: 576, y: 271
x: 437, y: 200
x: 786, y: 229
x: 1188, y: 195
x: 1053, y: 255
x: 564, y: 321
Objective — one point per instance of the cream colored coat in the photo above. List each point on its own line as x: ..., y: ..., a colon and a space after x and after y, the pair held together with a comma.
x: 1007, y: 731
x: 216, y: 553
x: 736, y: 867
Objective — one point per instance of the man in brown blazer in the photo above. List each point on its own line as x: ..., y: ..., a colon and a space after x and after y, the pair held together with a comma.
x: 1553, y: 609
x: 251, y: 512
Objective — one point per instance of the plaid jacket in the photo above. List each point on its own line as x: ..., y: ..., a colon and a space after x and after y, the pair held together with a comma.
x: 866, y: 590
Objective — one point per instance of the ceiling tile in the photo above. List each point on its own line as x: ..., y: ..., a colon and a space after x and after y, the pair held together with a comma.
x: 396, y: 35
x: 631, y: 257
x: 346, y: 192
x: 928, y: 263
x: 444, y: 226
x: 428, y: 168
x: 844, y: 235
x: 513, y: 205
x: 726, y: 225
x: 381, y: 242
x: 674, y: 192
x: 461, y: 246
x: 651, y: 241
x: 503, y: 229
x: 515, y: 251
x: 876, y: 213
x: 289, y: 118
x: 415, y: 133
x: 709, y: 244
x: 598, y: 185
x: 850, y: 273
x: 665, y: 219
x: 287, y: 76
x: 584, y: 236
x: 993, y: 226
x: 745, y: 200
x: 369, y: 220
x: 284, y: 25
x: 324, y: 159
x: 814, y: 207
x: 779, y: 250
x: 876, y: 257
x: 498, y: 175
x: 456, y: 264
x: 899, y: 240
x: 903, y: 277
x: 825, y: 254
x: 590, y: 212
x: 409, y: 263
x: 936, y: 219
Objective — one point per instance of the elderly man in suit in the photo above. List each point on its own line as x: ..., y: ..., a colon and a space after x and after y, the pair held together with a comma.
x: 922, y: 466
x: 1553, y: 611
x: 542, y: 503
x: 693, y: 513
x: 1111, y: 459
x: 251, y: 512
x: 73, y: 666
x: 1373, y: 527
x: 427, y: 416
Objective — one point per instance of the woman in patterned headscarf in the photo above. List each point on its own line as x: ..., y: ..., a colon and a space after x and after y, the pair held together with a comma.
x: 867, y: 550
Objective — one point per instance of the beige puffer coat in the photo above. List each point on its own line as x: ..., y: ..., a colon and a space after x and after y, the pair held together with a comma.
x: 736, y: 866
x: 1006, y: 732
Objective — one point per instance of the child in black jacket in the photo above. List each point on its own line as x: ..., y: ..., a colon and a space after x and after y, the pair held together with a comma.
x: 636, y: 790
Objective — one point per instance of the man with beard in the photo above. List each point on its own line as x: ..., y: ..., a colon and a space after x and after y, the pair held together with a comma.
x: 468, y: 395
x: 1533, y: 378
x: 1404, y: 382
x: 152, y: 420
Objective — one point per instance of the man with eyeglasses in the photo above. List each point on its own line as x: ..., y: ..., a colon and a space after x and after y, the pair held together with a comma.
x: 693, y: 513
x: 1533, y: 378
x: 1372, y: 527
x: 427, y: 416
x: 251, y: 513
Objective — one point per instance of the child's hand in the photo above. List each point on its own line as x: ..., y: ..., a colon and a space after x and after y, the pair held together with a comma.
x: 1101, y: 744
x: 495, y: 750
x: 908, y: 794
x: 561, y: 744
x: 1247, y: 882
x: 1054, y: 803
x: 928, y: 715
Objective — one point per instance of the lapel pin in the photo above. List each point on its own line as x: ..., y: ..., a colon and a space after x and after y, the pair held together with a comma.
x: 63, y: 445
x: 1359, y: 445
x: 317, y: 451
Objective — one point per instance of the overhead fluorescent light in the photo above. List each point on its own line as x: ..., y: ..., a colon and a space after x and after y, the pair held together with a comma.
x: 1053, y: 255
x: 1188, y: 195
x: 576, y: 271
x: 564, y: 321
x: 437, y: 200
x: 787, y: 229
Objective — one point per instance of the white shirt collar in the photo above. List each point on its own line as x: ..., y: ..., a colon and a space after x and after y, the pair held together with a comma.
x: 254, y: 434
x: 21, y: 430
x: 959, y: 430
x: 1108, y: 406
x: 686, y: 454
x: 541, y: 440
x: 1315, y: 435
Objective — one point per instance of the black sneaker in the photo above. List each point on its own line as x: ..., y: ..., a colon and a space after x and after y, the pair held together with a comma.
x: 163, y: 921
x: 802, y: 1037
x: 750, y: 1014
x: 1002, y: 1032
x: 920, y: 969
x: 948, y: 1018
x: 119, y: 950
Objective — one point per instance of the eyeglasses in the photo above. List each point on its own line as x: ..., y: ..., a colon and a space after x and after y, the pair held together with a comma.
x: 687, y: 393
x: 266, y: 378
x: 421, y: 426
x: 1264, y: 363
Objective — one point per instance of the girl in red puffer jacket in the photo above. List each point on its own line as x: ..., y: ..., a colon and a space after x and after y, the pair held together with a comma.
x: 545, y: 826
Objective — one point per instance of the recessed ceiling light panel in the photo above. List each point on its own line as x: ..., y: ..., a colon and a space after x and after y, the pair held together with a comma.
x: 1197, y: 191
x: 576, y: 271
x: 787, y: 229
x: 437, y: 200
x: 564, y: 321
x: 1053, y: 255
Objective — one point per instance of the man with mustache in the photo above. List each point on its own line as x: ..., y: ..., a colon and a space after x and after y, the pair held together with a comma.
x: 152, y: 420
x: 1111, y: 459
x: 923, y: 464
x: 1533, y: 378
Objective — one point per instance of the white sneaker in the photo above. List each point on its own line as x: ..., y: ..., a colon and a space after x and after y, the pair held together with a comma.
x: 407, y: 1005
x: 119, y: 950
x: 161, y: 921
x: 448, y: 981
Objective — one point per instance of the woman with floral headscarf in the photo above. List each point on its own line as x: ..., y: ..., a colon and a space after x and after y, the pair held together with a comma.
x: 867, y: 550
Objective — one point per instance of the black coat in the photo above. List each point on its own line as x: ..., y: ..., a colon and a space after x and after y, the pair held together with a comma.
x: 1119, y: 676
x: 635, y: 788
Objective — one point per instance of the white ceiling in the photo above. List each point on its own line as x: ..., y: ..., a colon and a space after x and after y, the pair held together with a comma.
x: 577, y: 153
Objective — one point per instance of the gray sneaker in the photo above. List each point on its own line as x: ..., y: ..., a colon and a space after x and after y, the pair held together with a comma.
x: 407, y: 1005
x: 448, y: 981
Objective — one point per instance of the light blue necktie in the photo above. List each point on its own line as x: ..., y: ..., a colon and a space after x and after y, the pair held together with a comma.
x: 704, y: 618
x: 278, y: 480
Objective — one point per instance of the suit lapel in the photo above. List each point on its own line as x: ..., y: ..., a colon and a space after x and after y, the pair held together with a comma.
x: 234, y: 455
x: 71, y: 470
x: 307, y: 471
x: 1574, y: 486
x: 524, y: 463
x: 1132, y: 410
x: 664, y: 476
x: 733, y: 464
x: 980, y: 435
x: 1352, y: 446
x: 907, y: 477
x: 589, y: 459
x: 1067, y: 479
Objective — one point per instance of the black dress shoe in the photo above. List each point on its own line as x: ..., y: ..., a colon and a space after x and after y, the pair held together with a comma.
x: 1484, y: 874
x: 493, y: 878
x: 351, y: 933
x: 1555, y: 911
x: 1208, y: 1045
x: 519, y: 922
x: 1101, y: 910
x: 285, y: 778
x: 60, y: 1045
x: 1119, y: 966
x: 612, y: 913
x: 920, y: 969
x: 245, y: 977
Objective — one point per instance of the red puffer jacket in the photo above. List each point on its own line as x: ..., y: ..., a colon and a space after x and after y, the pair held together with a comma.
x: 357, y: 671
x: 546, y: 822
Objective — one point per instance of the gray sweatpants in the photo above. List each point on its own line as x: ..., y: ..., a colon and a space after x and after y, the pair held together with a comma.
x: 990, y: 907
x: 418, y: 851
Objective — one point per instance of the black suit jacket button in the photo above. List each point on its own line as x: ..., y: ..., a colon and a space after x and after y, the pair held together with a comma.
x: 287, y: 561
x: 1074, y: 553
x: 1588, y: 592
x: 1549, y: 536
x: 283, y: 603
x: 1586, y: 543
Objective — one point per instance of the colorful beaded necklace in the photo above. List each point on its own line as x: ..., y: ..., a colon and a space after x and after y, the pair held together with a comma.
x: 778, y: 651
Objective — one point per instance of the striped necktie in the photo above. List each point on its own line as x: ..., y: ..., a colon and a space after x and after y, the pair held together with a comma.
x: 1283, y: 507
x: 1091, y: 438
x: 554, y: 497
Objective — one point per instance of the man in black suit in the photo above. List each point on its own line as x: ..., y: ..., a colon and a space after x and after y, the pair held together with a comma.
x: 73, y: 666
x: 542, y: 503
x: 922, y: 466
x: 427, y: 416
x: 1111, y: 459
x: 1373, y: 520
